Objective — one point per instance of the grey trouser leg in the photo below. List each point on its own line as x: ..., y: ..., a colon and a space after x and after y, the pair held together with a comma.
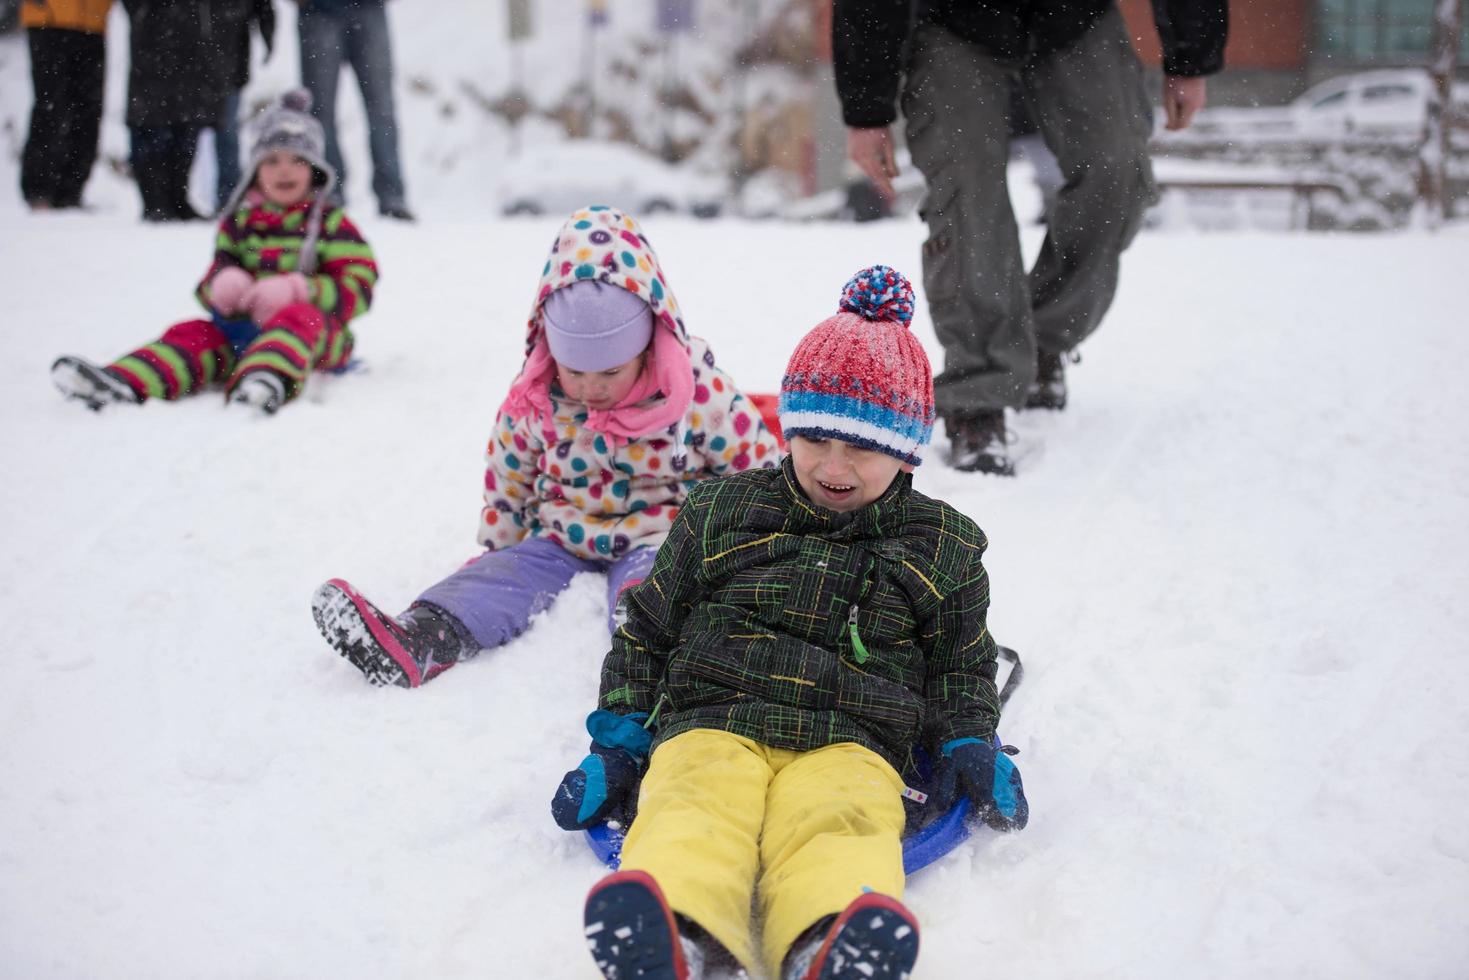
x: 1095, y: 114
x: 957, y: 106
x: 1091, y: 107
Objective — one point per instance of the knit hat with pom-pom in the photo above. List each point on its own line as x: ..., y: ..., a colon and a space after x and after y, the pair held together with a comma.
x: 861, y: 376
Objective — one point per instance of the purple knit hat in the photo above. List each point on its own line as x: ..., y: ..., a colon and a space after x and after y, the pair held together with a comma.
x: 593, y: 326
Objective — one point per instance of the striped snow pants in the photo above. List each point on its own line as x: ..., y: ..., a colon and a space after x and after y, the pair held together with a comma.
x: 198, y: 353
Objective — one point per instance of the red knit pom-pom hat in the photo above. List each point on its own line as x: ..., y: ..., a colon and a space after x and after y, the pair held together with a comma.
x: 861, y: 376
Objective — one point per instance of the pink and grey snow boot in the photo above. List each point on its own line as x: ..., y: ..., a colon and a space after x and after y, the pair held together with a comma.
x: 874, y: 937
x: 404, y: 650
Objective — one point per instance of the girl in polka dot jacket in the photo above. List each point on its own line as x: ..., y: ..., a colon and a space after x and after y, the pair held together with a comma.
x: 616, y: 413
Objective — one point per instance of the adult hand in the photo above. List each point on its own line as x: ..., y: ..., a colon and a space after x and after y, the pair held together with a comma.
x: 1182, y: 98
x: 972, y: 767
x: 871, y: 149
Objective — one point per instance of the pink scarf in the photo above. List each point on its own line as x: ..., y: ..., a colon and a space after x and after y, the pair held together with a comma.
x: 667, y: 370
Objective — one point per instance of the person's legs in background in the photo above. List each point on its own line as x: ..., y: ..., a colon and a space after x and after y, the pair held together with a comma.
x: 956, y: 103
x: 61, y: 142
x: 370, y: 52
x: 1092, y: 108
x: 227, y: 151
x: 148, y: 157
x: 162, y: 157
x: 85, y: 65
x: 182, y: 146
x: 322, y: 37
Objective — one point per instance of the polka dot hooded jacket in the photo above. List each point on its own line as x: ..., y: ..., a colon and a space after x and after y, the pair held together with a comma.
x: 600, y: 483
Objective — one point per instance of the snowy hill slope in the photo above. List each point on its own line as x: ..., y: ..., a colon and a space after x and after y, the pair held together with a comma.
x: 1236, y: 567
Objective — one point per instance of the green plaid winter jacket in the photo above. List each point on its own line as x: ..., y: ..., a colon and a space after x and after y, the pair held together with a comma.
x: 746, y: 622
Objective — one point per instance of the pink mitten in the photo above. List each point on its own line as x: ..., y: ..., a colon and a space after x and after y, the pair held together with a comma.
x: 269, y: 296
x: 227, y: 289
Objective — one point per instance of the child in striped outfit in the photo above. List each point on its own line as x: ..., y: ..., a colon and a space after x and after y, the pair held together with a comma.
x: 616, y: 413
x: 289, y: 274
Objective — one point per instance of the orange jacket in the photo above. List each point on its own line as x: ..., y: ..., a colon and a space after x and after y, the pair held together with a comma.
x: 74, y: 15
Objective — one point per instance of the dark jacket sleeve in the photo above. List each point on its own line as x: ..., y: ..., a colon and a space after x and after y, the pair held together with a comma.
x: 868, y: 38
x: 1193, y: 33
x: 656, y: 610
x: 960, y: 700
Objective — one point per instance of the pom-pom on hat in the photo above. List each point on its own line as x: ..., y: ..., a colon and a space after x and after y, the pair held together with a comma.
x: 593, y: 326
x: 861, y: 376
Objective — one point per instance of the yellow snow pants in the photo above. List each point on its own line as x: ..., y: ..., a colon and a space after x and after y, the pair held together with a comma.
x: 716, y: 810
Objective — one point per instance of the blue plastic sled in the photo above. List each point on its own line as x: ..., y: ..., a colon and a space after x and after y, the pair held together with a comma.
x: 921, y: 848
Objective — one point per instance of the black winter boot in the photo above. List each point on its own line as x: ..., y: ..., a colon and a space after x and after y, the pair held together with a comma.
x: 978, y: 443
x: 875, y: 938
x: 631, y: 931
x: 91, y: 385
x: 1049, y: 388
x: 405, y: 650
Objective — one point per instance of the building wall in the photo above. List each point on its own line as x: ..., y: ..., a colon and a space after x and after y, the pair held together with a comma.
x: 1263, y: 34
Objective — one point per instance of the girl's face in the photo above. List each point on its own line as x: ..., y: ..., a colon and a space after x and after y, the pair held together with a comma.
x: 600, y: 390
x: 284, y: 178
x: 840, y: 476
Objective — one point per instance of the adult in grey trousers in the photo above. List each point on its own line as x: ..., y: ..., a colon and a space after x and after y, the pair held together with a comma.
x: 1006, y: 331
x: 355, y: 31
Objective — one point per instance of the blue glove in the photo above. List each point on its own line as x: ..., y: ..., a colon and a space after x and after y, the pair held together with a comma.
x: 607, y: 778
x: 974, y: 768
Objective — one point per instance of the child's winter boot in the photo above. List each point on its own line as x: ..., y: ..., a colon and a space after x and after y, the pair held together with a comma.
x: 874, y: 937
x: 261, y: 390
x: 632, y: 932
x: 91, y: 385
x: 404, y: 650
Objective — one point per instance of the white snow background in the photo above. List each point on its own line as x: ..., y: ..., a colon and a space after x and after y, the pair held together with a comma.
x: 1235, y: 566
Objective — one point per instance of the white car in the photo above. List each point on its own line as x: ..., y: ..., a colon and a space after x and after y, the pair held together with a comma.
x: 1387, y: 102
x: 1370, y: 102
x: 558, y: 178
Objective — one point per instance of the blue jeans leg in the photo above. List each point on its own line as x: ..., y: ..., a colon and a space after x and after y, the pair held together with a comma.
x: 370, y: 52
x: 626, y: 572
x: 227, y: 150
x: 496, y: 595
x: 323, y: 44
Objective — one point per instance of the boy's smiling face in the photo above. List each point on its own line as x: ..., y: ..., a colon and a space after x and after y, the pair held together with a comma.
x: 284, y: 178
x: 840, y: 476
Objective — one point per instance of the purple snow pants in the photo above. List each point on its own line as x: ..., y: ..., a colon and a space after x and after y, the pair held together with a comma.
x: 496, y: 594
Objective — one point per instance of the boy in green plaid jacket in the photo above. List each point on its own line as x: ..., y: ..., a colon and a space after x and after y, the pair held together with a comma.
x: 802, y: 630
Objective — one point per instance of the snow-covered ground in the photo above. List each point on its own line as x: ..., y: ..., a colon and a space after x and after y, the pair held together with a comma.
x: 1236, y: 568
